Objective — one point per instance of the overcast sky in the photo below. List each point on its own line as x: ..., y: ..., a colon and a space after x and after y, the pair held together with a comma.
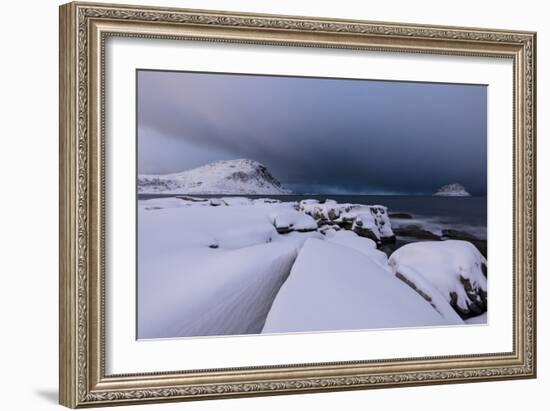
x: 326, y: 136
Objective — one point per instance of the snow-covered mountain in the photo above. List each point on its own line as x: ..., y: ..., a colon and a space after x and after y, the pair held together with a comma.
x: 452, y: 190
x: 240, y: 176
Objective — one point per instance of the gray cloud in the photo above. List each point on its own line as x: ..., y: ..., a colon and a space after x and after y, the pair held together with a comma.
x: 328, y: 135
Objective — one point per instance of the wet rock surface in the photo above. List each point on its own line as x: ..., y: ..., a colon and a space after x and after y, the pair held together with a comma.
x: 415, y: 231
x: 477, y: 304
x: 401, y: 216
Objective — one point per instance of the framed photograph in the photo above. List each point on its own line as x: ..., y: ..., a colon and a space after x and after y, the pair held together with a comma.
x: 259, y: 204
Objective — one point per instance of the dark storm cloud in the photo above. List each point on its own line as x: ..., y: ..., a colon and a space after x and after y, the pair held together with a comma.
x: 317, y: 135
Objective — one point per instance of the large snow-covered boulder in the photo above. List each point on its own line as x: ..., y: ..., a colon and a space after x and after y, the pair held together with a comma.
x: 336, y: 287
x: 452, y: 190
x: 453, y: 268
x: 361, y: 244
x: 370, y: 221
x: 221, y: 177
x: 373, y: 223
x: 200, y: 292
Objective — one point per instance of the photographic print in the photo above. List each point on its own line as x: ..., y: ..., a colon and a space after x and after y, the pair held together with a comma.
x: 283, y: 204
x: 257, y: 204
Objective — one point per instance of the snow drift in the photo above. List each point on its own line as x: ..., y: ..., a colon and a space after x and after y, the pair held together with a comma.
x: 204, y: 292
x: 334, y: 287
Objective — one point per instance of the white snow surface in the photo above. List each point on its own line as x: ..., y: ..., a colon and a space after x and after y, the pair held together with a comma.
x: 292, y: 220
x: 240, y: 176
x: 216, y: 268
x: 452, y: 190
x: 480, y: 319
x: 429, y: 291
x: 200, y: 292
x: 364, y: 245
x: 221, y: 267
x: 334, y: 287
x: 442, y: 264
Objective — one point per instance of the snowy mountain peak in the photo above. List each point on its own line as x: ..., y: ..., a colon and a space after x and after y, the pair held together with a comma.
x: 452, y: 190
x: 241, y: 176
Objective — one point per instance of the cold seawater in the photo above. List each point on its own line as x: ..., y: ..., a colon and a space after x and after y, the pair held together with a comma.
x: 460, y: 210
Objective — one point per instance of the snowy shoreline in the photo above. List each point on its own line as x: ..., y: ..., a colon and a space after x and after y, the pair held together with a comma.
x: 234, y: 265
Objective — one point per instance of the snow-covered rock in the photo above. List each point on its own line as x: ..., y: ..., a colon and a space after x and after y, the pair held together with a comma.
x: 367, y: 221
x: 361, y: 244
x: 217, y: 269
x: 173, y: 228
x: 287, y: 220
x: 335, y: 287
x: 429, y: 292
x: 454, y: 268
x: 221, y: 177
x: 219, y: 265
x: 452, y: 190
x: 200, y: 292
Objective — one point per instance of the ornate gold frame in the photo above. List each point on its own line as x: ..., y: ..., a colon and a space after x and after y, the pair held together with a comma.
x: 83, y: 30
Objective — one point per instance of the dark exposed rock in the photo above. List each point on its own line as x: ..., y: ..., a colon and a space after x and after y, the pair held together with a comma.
x: 215, y: 202
x: 305, y: 230
x: 365, y: 232
x: 481, y: 245
x: 267, y: 176
x: 388, y: 240
x: 290, y: 228
x: 357, y: 228
x: 454, y: 303
x: 238, y: 176
x: 333, y: 213
x: 458, y: 235
x: 477, y: 296
x: 389, y: 248
x: 414, y: 287
x: 415, y: 231
x: 193, y: 199
x: 477, y: 304
x: 346, y: 223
